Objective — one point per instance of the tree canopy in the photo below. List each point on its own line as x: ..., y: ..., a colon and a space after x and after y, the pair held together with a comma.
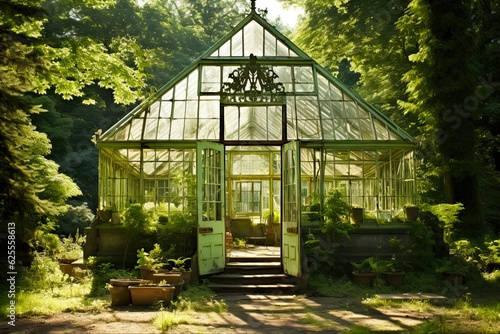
x: 432, y: 66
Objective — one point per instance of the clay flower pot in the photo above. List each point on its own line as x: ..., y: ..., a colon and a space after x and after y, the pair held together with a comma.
x: 363, y: 277
x: 149, y: 295
x: 394, y: 278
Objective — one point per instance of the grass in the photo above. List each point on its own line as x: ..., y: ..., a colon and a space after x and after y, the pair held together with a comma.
x: 316, y: 321
x: 71, y: 297
x: 197, y: 298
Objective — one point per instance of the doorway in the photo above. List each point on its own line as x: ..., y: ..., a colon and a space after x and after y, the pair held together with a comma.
x: 253, y: 201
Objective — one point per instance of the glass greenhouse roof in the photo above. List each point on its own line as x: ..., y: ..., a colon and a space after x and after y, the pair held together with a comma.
x: 254, y: 85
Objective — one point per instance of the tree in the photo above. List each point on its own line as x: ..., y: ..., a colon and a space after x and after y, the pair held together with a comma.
x: 418, y: 62
x: 31, y: 188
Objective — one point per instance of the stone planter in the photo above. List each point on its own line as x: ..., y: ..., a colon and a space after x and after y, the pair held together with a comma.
x: 363, y: 277
x: 394, y: 278
x: 150, y: 295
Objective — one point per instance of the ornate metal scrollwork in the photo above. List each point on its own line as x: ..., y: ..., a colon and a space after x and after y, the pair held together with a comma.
x: 253, y: 83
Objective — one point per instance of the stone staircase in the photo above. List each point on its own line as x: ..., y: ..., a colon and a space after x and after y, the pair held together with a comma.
x: 252, y: 275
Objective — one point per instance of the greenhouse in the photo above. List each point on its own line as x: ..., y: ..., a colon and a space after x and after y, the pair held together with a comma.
x: 255, y: 128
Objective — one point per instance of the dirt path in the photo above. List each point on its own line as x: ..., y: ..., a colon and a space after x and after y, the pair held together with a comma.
x: 246, y: 314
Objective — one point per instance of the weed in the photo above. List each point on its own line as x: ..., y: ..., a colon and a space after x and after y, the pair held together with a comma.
x: 314, y: 320
x: 166, y: 320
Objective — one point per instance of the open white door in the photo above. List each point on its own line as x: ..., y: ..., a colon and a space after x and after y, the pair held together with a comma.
x: 210, y: 201
x: 290, y: 178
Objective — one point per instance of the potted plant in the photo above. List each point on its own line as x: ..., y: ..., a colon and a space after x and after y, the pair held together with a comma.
x: 149, y: 263
x: 411, y: 212
x: 179, y: 265
x: 172, y: 278
x: 357, y: 214
x: 394, y: 275
x: 149, y: 294
x: 105, y: 214
x: 119, y: 291
x: 336, y: 213
x: 368, y: 270
x: 70, y: 250
x: 363, y: 273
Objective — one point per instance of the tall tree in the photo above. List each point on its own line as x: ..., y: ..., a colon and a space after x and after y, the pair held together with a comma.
x: 418, y: 63
x: 31, y: 187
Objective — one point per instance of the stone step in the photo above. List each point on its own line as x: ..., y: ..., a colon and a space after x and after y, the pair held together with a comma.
x: 267, y: 258
x: 247, y: 267
x: 250, y: 279
x: 254, y: 288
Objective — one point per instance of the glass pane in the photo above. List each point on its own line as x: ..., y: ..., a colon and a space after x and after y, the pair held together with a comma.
x: 191, y: 129
x: 284, y: 76
x: 208, y: 129
x: 180, y: 90
x: 254, y: 40
x: 366, y: 129
x: 382, y: 133
x: 192, y: 109
x: 236, y: 45
x: 209, y: 109
x: 164, y: 128
x: 270, y: 44
x: 308, y: 129
x: 166, y: 109
x: 136, y: 129
x: 177, y: 129
x: 179, y: 109
x: 192, y: 92
x: 210, y: 80
x: 225, y: 50
x: 151, y: 126
x: 154, y: 110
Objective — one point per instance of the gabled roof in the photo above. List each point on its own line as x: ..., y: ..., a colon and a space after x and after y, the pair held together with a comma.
x: 318, y: 106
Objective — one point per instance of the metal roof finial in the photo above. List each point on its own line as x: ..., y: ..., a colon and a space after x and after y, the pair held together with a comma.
x: 252, y: 5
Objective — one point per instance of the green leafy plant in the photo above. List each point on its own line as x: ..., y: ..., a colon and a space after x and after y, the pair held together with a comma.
x: 179, y: 264
x: 150, y: 260
x: 71, y: 248
x: 336, y: 213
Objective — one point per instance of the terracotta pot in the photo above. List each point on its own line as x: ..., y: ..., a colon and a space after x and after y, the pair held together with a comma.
x: 149, y: 295
x: 186, y: 276
x: 120, y: 295
x: 147, y: 273
x: 394, y: 278
x: 66, y: 268
x: 170, y: 277
x: 363, y: 277
x: 124, y: 282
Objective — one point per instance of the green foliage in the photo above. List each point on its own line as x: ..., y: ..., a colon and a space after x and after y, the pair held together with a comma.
x: 151, y: 260
x: 179, y: 264
x: 76, y: 218
x: 71, y: 248
x: 448, y: 215
x: 101, y: 274
x: 321, y: 255
x: 43, y: 274
x: 336, y: 213
x: 372, y: 264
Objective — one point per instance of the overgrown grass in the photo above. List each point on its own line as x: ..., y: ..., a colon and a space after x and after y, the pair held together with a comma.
x: 196, y: 298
